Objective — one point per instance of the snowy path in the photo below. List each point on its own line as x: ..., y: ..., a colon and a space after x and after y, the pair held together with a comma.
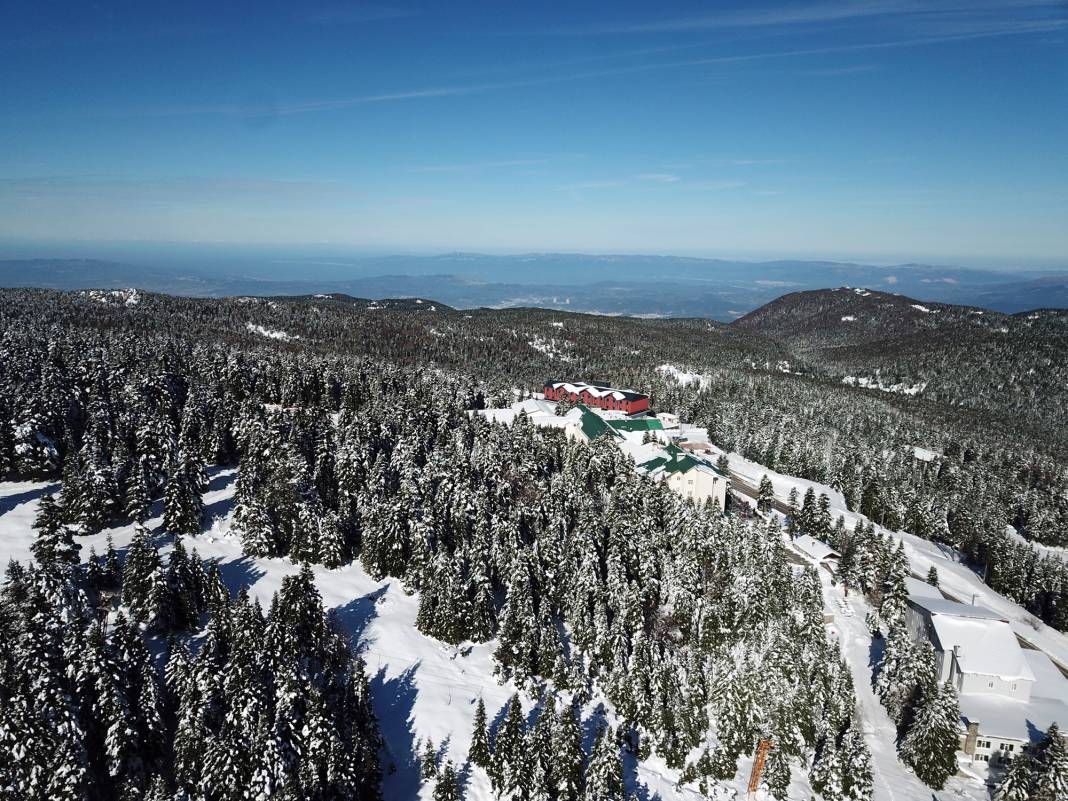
x: 893, y: 780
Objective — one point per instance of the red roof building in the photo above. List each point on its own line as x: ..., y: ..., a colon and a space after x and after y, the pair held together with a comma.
x: 602, y: 397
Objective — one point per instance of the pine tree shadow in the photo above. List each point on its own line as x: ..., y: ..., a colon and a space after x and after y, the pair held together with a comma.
x: 355, y: 616
x: 497, y: 721
x: 239, y: 573
x: 11, y: 501
x: 633, y: 788
x: 875, y: 652
x: 591, y: 725
x: 219, y: 479
x: 463, y: 776
x: 212, y: 511
x: 393, y: 701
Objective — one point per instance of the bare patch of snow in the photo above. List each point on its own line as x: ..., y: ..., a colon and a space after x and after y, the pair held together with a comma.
x: 270, y: 334
x: 875, y: 383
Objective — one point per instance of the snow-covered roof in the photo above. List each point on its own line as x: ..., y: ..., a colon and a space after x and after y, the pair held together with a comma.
x: 1009, y: 719
x: 535, y: 406
x: 984, y: 647
x: 810, y: 546
x: 921, y: 589
x: 947, y: 608
x: 578, y: 387
x: 1049, y: 681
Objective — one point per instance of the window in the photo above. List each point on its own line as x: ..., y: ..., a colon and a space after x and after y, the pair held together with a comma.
x: 1006, y: 746
x: 1014, y: 688
x: 990, y: 684
x: 982, y: 743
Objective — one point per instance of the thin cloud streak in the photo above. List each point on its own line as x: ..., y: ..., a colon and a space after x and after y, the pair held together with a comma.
x: 774, y: 16
x: 476, y: 166
x: 260, y: 111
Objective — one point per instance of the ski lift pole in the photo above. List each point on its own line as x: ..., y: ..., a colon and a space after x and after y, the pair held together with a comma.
x: 758, y: 767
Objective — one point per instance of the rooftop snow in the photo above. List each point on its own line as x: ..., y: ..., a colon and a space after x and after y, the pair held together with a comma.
x: 921, y: 589
x: 1010, y: 719
x: 986, y: 647
x: 812, y: 547
x: 941, y: 606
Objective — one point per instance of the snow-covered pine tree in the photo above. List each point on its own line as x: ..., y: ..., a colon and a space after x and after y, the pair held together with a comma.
x: 931, y: 742
x: 447, y: 787
x: 54, y: 546
x: 1051, y: 776
x: 604, y: 776
x: 479, y: 752
x: 1016, y: 783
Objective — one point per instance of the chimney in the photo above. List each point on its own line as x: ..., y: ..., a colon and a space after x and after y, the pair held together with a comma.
x: 971, y: 737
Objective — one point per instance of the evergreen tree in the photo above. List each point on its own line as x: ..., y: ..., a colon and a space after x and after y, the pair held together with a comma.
x: 429, y: 761
x: 1051, y: 777
x: 54, y: 545
x: 765, y: 494
x: 604, y: 776
x: 447, y: 787
x: 479, y: 753
x: 930, y: 745
x: 1016, y: 783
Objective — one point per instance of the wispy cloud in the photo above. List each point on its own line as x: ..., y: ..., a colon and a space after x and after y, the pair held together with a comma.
x: 476, y: 166
x: 579, y: 186
x: 265, y: 111
x: 161, y: 189
x: 360, y: 13
x: 821, y: 14
x: 658, y: 177
x: 831, y: 72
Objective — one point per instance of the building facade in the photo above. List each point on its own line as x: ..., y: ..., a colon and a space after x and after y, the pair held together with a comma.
x: 603, y: 397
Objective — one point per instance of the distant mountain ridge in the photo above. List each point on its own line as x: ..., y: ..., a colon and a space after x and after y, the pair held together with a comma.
x: 637, y: 285
x: 953, y: 354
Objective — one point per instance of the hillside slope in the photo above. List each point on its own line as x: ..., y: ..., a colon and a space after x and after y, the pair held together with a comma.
x: 958, y: 355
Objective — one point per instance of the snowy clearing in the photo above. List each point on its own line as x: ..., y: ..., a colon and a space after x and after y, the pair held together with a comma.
x: 270, y: 334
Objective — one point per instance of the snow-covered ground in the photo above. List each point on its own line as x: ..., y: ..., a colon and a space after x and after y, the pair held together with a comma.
x: 421, y: 687
x: 683, y: 377
x: 876, y: 383
x: 955, y: 578
x: 894, y: 781
x: 271, y: 334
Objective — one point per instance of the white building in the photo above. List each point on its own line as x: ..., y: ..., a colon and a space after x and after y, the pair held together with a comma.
x: 1008, y: 695
x: 642, y: 438
x: 688, y: 475
x: 975, y: 648
x: 820, y: 552
x: 997, y: 729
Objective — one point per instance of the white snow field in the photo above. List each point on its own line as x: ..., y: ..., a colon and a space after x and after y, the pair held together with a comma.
x: 420, y: 687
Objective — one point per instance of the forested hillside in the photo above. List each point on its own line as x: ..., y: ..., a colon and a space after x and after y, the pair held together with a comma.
x: 591, y: 581
x: 980, y: 360
x: 347, y: 421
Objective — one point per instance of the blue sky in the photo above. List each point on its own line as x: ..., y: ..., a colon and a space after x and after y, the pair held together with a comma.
x: 927, y: 129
